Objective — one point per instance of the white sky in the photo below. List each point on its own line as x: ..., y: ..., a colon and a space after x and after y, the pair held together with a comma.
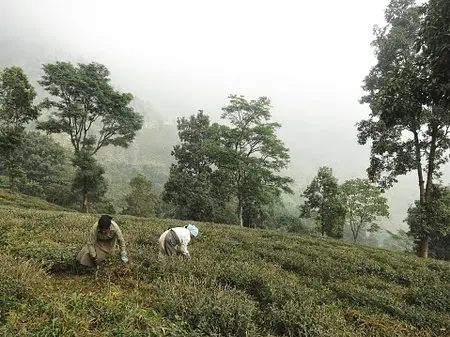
x: 295, y: 52
x: 308, y: 57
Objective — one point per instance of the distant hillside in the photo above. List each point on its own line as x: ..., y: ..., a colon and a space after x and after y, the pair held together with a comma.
x: 149, y: 154
x: 311, y: 143
x: 239, y: 282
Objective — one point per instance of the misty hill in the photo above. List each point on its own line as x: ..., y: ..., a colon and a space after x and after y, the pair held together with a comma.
x: 239, y: 282
x: 150, y: 152
x: 314, y: 136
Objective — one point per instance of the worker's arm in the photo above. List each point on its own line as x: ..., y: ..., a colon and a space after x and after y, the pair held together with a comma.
x: 184, y: 250
x: 92, y: 240
x: 120, y: 238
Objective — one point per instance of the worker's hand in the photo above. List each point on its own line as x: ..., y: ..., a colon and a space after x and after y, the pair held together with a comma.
x: 124, y: 257
x: 98, y: 262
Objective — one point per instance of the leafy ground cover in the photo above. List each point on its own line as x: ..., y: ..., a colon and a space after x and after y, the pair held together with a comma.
x: 239, y: 282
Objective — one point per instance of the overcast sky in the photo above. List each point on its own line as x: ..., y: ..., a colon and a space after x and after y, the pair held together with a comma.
x: 301, y: 54
x: 308, y: 57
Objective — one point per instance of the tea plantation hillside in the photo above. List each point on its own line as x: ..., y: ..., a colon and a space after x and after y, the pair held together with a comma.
x: 25, y: 201
x: 239, y: 282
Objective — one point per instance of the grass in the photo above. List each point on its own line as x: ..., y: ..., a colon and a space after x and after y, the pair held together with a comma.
x: 239, y: 282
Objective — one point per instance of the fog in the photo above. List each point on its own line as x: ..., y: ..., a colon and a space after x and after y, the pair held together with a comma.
x: 308, y: 57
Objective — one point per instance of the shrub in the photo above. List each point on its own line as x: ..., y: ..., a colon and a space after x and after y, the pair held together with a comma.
x: 206, y: 307
x: 18, y: 278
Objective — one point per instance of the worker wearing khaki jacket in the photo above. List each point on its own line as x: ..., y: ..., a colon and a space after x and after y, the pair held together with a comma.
x: 103, y: 238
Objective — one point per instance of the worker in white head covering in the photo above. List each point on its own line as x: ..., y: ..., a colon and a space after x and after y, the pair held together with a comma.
x: 175, y: 240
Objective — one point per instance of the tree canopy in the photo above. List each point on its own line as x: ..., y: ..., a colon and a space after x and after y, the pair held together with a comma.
x: 85, y: 106
x: 364, y: 203
x: 408, y: 128
x: 16, y: 110
x: 324, y: 203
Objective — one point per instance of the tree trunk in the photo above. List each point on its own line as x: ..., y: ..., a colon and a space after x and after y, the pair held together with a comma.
x: 355, y: 234
x: 431, y: 160
x: 423, y: 247
x: 11, y: 183
x: 425, y: 190
x: 322, y: 222
x: 241, y: 214
x: 85, y: 206
x: 419, y: 167
x: 425, y: 239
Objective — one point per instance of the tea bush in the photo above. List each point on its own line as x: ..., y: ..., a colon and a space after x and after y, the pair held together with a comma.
x: 18, y: 278
x: 207, y: 307
x: 239, y: 282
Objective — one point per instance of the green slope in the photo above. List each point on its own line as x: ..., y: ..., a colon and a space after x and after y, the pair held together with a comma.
x: 15, y: 200
x: 239, y: 282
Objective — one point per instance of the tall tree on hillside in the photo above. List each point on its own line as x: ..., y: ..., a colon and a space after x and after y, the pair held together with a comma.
x: 88, y: 182
x: 434, y: 42
x: 253, y: 154
x: 193, y: 186
x: 364, y: 203
x: 409, y: 132
x: 16, y: 110
x: 324, y: 204
x: 432, y: 219
x: 89, y: 110
x: 47, y: 170
x: 141, y: 201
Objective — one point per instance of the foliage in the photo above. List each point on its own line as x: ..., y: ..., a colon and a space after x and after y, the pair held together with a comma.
x: 409, y: 131
x: 238, y: 282
x: 252, y: 156
x: 440, y: 248
x: 432, y: 220
x: 16, y: 110
x: 324, y: 204
x: 88, y: 182
x: 88, y: 109
x: 217, y: 164
x: 363, y: 203
x: 19, y: 278
x: 434, y: 42
x: 192, y: 186
x: 47, y: 170
x: 399, y: 242
x: 296, y: 224
x: 141, y: 200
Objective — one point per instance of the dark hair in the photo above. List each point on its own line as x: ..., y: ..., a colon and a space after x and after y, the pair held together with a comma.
x: 105, y: 221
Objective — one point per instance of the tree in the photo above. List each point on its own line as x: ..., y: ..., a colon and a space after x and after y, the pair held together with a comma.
x: 47, y: 170
x: 252, y: 154
x: 89, y: 182
x: 324, y: 204
x: 16, y: 110
x: 434, y: 42
x: 408, y: 133
x: 433, y: 219
x: 89, y: 110
x: 193, y: 187
x: 141, y: 200
x: 363, y: 203
x: 440, y: 247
